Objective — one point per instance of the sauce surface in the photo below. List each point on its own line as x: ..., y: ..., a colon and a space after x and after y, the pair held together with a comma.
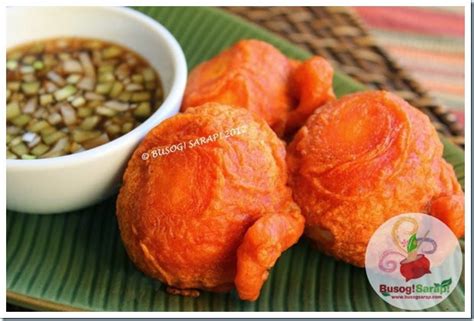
x: 67, y: 95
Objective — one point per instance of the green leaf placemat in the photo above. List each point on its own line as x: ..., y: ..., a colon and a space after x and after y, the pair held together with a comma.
x: 77, y: 261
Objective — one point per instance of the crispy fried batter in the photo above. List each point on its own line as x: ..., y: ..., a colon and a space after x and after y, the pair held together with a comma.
x: 263, y: 243
x: 311, y: 84
x: 363, y: 159
x: 183, y: 292
x: 254, y: 75
x: 183, y: 215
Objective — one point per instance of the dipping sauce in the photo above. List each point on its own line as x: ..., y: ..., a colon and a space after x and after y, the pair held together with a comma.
x: 68, y: 95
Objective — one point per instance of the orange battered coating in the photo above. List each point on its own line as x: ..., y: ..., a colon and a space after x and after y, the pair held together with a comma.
x: 311, y: 83
x: 254, y: 75
x: 363, y: 159
x: 215, y: 215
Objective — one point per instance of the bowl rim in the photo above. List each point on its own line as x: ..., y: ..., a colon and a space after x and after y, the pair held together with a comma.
x: 178, y: 85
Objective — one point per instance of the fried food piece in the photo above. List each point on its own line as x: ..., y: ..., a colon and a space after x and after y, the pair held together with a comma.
x: 363, y: 159
x: 251, y: 74
x: 254, y: 75
x: 189, y: 217
x: 311, y: 83
x: 262, y: 245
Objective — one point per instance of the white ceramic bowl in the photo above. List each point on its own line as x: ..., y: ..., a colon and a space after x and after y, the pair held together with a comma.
x: 75, y: 181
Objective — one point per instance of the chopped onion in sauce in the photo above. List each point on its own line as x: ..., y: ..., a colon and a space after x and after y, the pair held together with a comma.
x: 68, y: 95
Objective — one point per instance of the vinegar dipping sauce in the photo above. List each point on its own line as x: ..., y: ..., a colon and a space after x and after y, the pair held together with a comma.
x: 67, y: 95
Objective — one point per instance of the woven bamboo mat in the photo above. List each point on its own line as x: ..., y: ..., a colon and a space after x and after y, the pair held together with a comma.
x: 338, y: 34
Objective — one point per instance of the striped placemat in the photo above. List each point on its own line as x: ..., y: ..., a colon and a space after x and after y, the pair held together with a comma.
x: 428, y: 42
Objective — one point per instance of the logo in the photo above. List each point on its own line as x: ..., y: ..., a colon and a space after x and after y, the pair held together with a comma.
x: 413, y: 261
x: 413, y: 265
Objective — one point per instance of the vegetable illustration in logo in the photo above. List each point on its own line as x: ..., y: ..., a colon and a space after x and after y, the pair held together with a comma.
x: 414, y: 264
